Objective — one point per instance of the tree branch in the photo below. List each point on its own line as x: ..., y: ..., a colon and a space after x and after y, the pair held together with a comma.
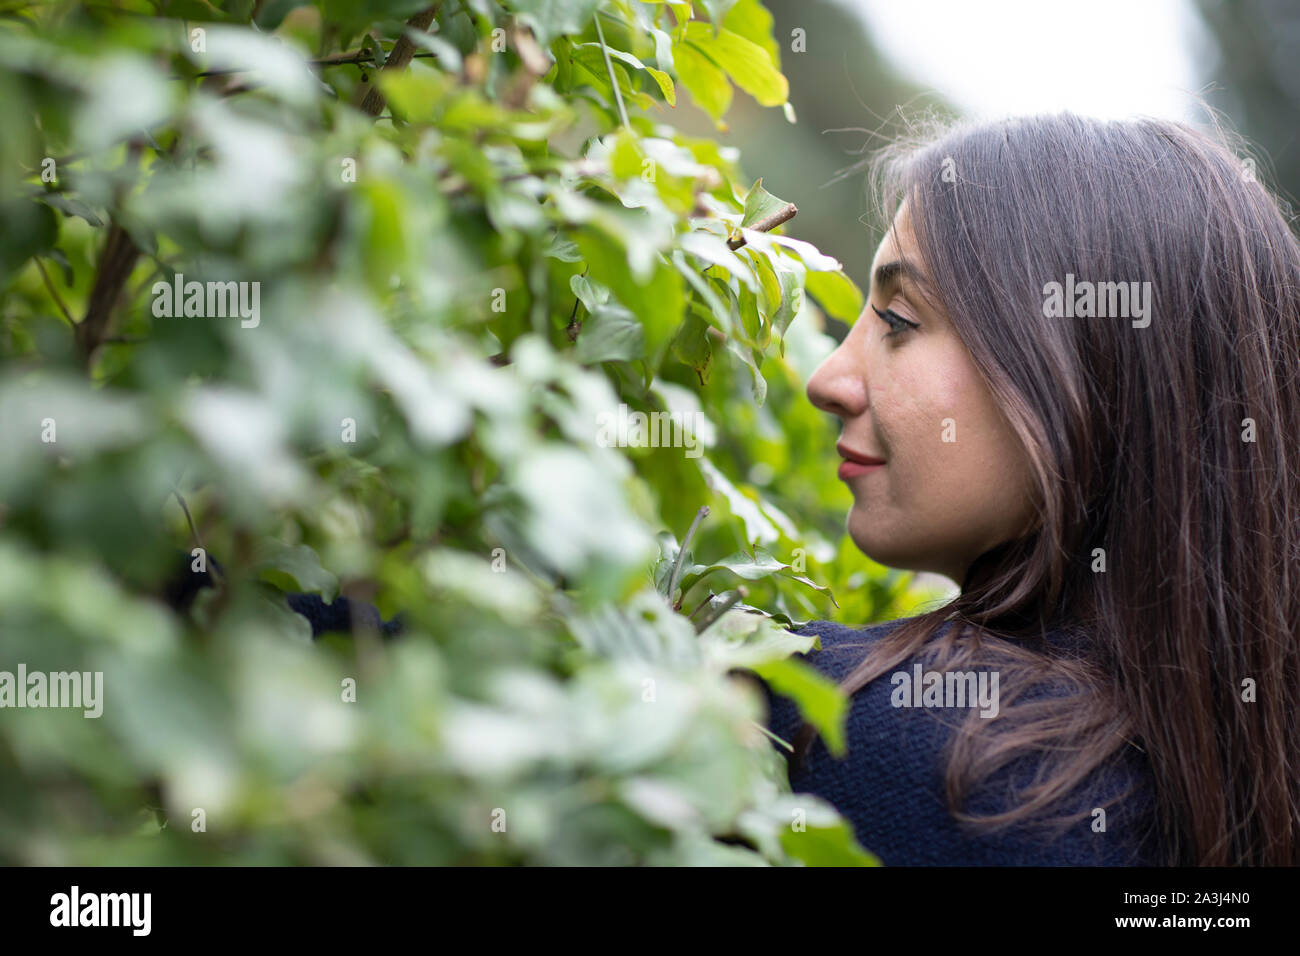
x: 116, y: 261
x: 370, y: 100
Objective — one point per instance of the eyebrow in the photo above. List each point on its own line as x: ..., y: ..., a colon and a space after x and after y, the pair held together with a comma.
x: 889, y: 273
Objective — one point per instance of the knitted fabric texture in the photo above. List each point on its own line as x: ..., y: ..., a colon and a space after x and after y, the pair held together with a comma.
x: 889, y: 785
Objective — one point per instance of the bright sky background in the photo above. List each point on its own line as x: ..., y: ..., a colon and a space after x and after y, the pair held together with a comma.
x: 1104, y: 58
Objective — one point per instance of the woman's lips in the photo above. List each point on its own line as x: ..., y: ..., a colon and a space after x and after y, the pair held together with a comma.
x: 855, y: 463
x: 851, y: 469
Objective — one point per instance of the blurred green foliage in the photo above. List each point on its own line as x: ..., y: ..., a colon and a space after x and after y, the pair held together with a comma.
x: 452, y: 295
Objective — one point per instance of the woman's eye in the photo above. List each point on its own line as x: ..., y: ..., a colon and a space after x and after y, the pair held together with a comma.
x: 895, y: 321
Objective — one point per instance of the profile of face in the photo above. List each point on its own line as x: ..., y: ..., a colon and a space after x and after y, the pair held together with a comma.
x: 937, y: 473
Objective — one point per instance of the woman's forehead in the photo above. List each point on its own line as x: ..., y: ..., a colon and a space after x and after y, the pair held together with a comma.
x: 897, y: 242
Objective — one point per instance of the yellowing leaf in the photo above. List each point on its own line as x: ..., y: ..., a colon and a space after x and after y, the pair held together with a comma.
x: 745, y: 62
x: 707, y: 84
x: 753, y: 21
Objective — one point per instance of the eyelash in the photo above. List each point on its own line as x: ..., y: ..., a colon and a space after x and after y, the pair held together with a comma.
x: 895, y: 321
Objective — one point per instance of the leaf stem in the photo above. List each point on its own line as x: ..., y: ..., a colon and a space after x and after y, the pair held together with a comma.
x: 681, y: 552
x: 613, y: 80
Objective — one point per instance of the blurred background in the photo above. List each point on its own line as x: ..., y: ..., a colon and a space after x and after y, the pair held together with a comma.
x: 861, y: 60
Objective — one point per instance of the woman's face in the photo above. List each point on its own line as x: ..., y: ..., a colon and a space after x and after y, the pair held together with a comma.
x: 954, y: 480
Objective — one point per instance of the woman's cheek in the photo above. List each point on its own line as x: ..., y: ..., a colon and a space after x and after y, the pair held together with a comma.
x: 934, y: 394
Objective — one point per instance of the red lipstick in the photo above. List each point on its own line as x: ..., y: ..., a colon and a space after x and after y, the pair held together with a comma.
x: 856, y: 463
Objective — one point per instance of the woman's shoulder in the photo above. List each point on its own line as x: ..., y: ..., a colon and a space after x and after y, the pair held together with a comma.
x: 889, y: 784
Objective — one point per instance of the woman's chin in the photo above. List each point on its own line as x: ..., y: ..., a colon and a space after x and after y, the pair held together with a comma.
x: 879, y: 548
x: 891, y: 551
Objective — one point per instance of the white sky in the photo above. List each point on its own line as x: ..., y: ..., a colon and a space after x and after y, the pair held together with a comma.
x: 1104, y: 58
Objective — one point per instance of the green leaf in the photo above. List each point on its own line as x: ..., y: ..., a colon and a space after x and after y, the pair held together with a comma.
x: 663, y: 569
x: 589, y: 58
x: 790, y: 275
x: 658, y: 303
x: 753, y: 360
x: 759, y: 204
x: 646, y: 630
x: 837, y: 294
x: 591, y: 294
x: 740, y: 639
x: 714, y: 250
x: 552, y: 18
x: 769, y: 284
x: 753, y: 568
x: 691, y: 346
x: 29, y: 228
x: 833, y: 845
x: 355, y: 15
x: 819, y: 699
x: 412, y: 93
x: 751, y: 20
x: 610, y: 333
x: 448, y: 56
x: 745, y: 62
x: 71, y: 206
x: 718, y: 9
x: 272, y: 13
x: 298, y: 568
x: 660, y: 77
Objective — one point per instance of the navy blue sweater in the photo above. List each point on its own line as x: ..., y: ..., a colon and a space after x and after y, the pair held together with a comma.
x: 889, y: 785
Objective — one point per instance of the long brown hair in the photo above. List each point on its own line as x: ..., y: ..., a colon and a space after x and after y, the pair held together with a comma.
x: 1167, y: 467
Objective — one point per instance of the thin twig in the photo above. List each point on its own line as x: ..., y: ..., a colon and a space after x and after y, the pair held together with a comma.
x: 194, y: 533
x: 702, y: 605
x: 345, y: 58
x: 613, y: 80
x: 49, y: 284
x: 711, y: 618
x: 574, y: 327
x: 767, y: 223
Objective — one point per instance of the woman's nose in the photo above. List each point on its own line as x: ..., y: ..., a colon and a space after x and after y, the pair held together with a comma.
x: 838, y: 385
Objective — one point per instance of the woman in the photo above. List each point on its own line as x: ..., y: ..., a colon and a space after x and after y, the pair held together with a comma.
x: 1112, y: 474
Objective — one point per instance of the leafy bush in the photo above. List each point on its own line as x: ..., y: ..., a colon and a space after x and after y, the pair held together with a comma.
x: 463, y: 273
